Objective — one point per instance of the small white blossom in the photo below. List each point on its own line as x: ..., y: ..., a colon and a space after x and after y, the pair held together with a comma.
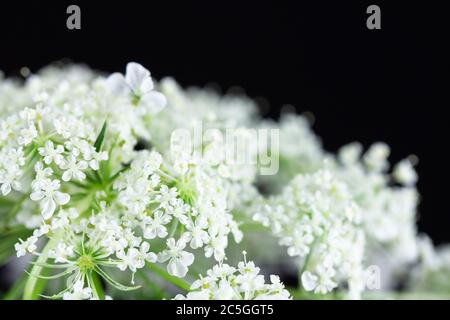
x: 61, y: 253
x: 404, y: 173
x: 49, y: 197
x: 138, y: 84
x: 78, y: 292
x: 155, y: 226
x: 224, y: 282
x: 179, y: 260
x: 28, y: 245
x: 27, y: 135
x: 73, y: 169
x: 10, y: 179
x: 52, y: 154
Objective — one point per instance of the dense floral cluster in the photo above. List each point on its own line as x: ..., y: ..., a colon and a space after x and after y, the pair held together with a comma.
x: 223, y: 282
x: 104, y: 179
x: 389, y: 202
x: 316, y: 219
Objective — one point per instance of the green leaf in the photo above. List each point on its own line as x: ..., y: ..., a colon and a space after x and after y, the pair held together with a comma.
x: 101, y: 136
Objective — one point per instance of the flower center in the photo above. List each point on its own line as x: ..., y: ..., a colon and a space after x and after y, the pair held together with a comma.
x: 135, y: 99
x: 85, y: 263
x: 186, y: 190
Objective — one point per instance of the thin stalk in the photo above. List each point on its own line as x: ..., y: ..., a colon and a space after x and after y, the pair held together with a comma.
x: 96, y: 285
x: 34, y: 285
x: 180, y: 283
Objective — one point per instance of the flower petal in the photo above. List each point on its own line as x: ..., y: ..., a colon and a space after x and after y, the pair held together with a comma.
x: 116, y: 84
x: 154, y: 101
x: 36, y: 195
x: 138, y: 78
x: 177, y: 268
x: 48, y: 207
x: 309, y: 281
x: 61, y: 198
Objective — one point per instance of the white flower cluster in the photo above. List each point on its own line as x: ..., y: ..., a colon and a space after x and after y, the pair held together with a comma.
x: 196, y: 111
x: 224, y: 282
x: 102, y: 178
x: 388, y: 202
x: 71, y: 161
x: 317, y: 220
x: 153, y: 196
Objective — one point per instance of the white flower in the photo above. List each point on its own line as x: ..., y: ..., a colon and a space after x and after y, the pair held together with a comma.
x: 147, y: 162
x: 15, y: 156
x: 73, y: 169
x: 28, y: 245
x: 224, y: 282
x: 309, y: 281
x: 179, y: 210
x: 155, y: 226
x: 144, y: 251
x: 136, y: 196
x: 10, y: 179
x: 216, y: 247
x: 404, y: 173
x: 376, y: 157
x: 61, y: 253
x: 132, y: 259
x: 79, y: 146
x: 63, y: 218
x: 315, y: 216
x: 95, y: 158
x: 388, y: 212
x: 52, y: 154
x: 350, y: 153
x: 167, y: 197
x: 41, y: 174
x: 78, y: 292
x: 139, y: 85
x: 135, y: 258
x: 196, y: 232
x: 49, y: 196
x: 322, y: 282
x: 179, y: 260
x: 27, y: 135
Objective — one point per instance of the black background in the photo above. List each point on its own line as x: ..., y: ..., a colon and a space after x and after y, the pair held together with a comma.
x: 368, y: 85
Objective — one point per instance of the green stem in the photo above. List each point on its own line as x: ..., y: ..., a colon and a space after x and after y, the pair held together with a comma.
x: 35, y: 285
x: 157, y: 291
x: 96, y: 285
x: 180, y: 283
x: 173, y: 228
x: 305, y: 266
x: 252, y: 227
